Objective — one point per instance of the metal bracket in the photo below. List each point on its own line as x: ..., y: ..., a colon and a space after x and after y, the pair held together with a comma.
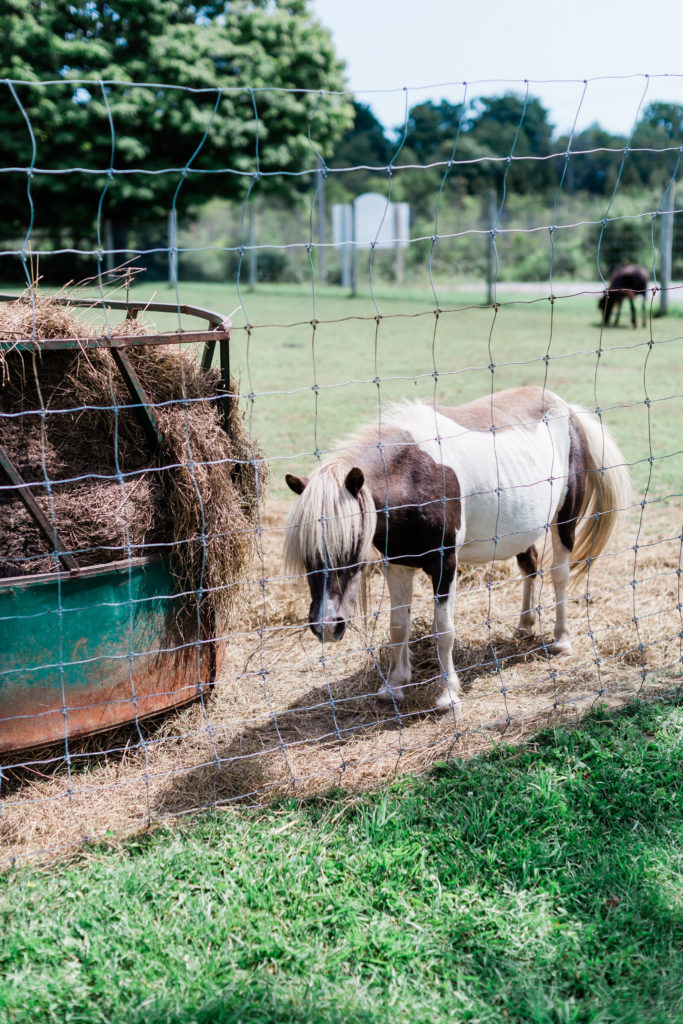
x: 142, y: 408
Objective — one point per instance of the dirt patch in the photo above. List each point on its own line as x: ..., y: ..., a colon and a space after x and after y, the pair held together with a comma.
x: 289, y: 717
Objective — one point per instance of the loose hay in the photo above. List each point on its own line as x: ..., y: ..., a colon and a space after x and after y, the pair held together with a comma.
x: 281, y: 722
x: 67, y: 424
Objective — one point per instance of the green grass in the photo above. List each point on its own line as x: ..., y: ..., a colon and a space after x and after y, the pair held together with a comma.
x: 358, y: 362
x: 540, y: 884
x: 310, y: 386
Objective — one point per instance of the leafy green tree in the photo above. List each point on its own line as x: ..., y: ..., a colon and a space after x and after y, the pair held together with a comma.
x: 364, y: 142
x: 433, y: 129
x: 363, y: 145
x: 595, y: 159
x: 656, y: 143
x: 242, y: 96
x: 511, y: 126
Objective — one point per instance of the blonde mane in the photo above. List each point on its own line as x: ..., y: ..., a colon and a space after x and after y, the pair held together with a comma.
x: 327, y: 526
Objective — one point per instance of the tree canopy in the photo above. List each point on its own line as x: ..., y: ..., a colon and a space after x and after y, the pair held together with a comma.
x: 119, y: 110
x: 108, y: 95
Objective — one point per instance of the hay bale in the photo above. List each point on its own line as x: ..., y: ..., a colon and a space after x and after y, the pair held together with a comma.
x: 65, y: 425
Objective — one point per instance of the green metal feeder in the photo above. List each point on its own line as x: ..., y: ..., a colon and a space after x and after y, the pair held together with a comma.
x: 86, y: 652
x: 89, y: 648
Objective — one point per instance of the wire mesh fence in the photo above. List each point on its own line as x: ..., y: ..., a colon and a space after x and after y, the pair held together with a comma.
x: 447, y: 391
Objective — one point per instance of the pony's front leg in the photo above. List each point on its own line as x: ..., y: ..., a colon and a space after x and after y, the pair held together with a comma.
x: 400, y: 582
x: 444, y: 628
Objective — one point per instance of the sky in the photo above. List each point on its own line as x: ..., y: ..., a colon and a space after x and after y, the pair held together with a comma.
x: 403, y: 52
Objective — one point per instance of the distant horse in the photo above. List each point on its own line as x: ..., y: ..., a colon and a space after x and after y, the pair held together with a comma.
x: 625, y: 283
x: 429, y: 487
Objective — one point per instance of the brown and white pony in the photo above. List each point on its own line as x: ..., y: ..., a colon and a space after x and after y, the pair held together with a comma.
x: 428, y: 487
x: 625, y: 283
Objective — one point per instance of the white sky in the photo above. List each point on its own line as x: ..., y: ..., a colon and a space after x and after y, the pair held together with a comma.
x: 430, y: 47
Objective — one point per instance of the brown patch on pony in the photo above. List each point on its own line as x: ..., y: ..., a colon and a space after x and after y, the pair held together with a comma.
x: 422, y: 495
x: 528, y: 561
x: 513, y: 407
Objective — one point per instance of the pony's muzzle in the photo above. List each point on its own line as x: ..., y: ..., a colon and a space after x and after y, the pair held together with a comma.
x: 329, y: 629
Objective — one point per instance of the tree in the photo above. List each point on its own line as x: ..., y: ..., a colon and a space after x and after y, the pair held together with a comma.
x: 364, y: 142
x: 263, y: 73
x: 512, y: 126
x: 433, y: 129
x: 363, y: 145
x: 596, y: 156
x: 656, y: 143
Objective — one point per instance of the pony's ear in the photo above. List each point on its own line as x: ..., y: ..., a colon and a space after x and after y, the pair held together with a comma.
x: 296, y: 483
x: 354, y: 480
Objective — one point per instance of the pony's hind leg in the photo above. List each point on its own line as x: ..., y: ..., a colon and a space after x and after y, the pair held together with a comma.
x: 560, y: 575
x: 528, y: 563
x: 400, y: 581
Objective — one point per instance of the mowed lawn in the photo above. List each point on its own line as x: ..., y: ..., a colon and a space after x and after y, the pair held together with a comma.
x: 315, y: 365
x: 540, y: 885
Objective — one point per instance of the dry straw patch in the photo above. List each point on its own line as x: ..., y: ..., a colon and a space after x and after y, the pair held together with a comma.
x: 291, y: 718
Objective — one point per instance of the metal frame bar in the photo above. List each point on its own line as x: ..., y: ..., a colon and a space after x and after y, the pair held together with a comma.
x: 143, y: 407
x: 116, y: 341
x: 217, y: 320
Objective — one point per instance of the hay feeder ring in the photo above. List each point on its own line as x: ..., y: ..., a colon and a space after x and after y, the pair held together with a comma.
x: 91, y: 647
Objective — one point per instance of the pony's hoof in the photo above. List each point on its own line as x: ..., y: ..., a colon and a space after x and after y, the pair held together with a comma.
x: 524, y: 632
x: 385, y: 705
x: 447, y: 706
x: 561, y: 649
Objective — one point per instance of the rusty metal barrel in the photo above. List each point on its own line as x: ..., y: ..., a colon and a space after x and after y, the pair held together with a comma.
x: 85, y: 653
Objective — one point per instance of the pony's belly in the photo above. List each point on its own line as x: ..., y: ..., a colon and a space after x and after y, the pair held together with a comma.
x: 500, y: 527
x: 477, y: 552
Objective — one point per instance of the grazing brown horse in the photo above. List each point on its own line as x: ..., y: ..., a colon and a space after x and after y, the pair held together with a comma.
x: 513, y: 474
x: 625, y: 283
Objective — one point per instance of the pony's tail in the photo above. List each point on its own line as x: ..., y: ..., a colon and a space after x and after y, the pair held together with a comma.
x: 608, y: 492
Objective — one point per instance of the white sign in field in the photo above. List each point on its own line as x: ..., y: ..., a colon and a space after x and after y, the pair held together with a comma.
x: 370, y: 221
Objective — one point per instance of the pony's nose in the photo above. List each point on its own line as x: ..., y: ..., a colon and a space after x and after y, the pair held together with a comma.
x: 338, y: 629
x: 317, y: 629
x: 328, y: 630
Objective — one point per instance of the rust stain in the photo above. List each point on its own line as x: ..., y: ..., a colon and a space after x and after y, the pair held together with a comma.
x: 42, y: 715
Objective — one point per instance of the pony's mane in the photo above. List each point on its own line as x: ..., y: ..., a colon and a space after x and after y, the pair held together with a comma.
x: 327, y: 526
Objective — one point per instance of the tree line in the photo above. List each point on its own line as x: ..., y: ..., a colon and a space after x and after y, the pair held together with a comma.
x: 115, y: 112
x: 465, y: 148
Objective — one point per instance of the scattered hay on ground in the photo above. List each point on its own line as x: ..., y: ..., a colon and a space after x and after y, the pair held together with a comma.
x: 291, y: 718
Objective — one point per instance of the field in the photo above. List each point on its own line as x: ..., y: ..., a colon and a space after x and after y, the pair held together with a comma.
x: 288, y: 715
x: 311, y: 386
x: 393, y: 898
